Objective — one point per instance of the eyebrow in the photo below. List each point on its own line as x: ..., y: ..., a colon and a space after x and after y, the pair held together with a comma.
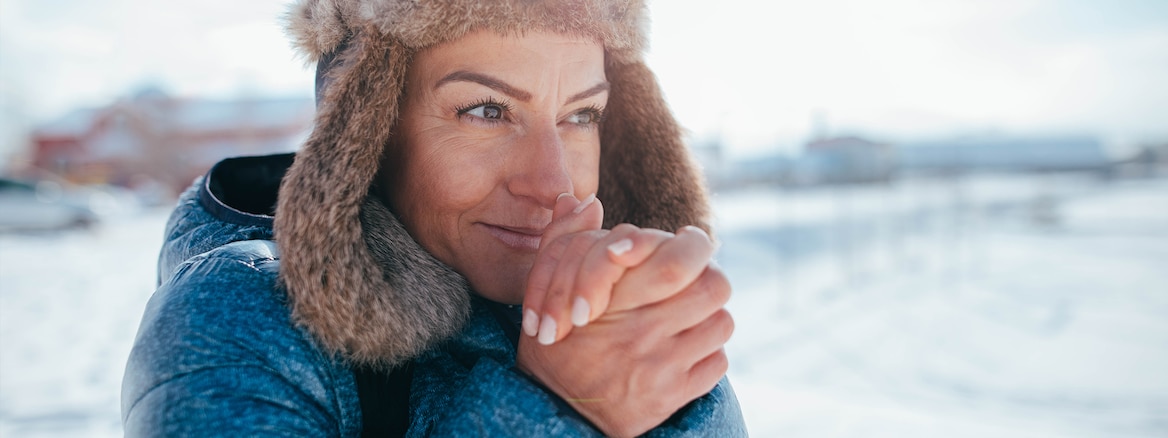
x: 596, y: 89
x: 505, y: 88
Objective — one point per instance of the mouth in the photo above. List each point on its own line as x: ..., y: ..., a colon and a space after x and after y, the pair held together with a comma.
x: 517, y: 238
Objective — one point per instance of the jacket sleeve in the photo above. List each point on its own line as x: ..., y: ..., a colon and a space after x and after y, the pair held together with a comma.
x: 495, y: 400
x: 217, y: 355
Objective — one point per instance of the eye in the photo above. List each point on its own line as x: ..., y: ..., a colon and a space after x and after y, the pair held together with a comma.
x: 586, y: 116
x: 487, y: 109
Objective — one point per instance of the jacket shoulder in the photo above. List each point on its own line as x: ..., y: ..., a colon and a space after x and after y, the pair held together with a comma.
x: 220, y: 330
x: 232, y: 202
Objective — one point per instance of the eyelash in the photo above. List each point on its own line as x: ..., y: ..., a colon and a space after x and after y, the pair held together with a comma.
x: 506, y: 106
x: 596, y: 111
x: 597, y: 114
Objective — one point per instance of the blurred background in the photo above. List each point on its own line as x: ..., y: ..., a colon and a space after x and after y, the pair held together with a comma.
x: 940, y: 217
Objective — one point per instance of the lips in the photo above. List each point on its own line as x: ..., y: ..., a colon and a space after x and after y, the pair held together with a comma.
x: 518, y: 238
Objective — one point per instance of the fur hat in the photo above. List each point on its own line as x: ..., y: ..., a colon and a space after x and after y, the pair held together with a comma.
x: 355, y: 279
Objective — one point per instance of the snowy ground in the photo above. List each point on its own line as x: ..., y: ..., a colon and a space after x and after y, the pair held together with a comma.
x: 1005, y: 307
x: 990, y: 306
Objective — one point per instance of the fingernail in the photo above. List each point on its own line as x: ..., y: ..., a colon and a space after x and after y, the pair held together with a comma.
x: 563, y: 195
x: 547, y: 330
x: 530, y: 322
x: 621, y: 246
x: 584, y: 204
x: 580, y: 312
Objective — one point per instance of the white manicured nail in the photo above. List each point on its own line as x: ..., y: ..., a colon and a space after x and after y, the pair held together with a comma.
x: 547, y: 330
x: 621, y: 246
x: 562, y: 195
x: 584, y: 204
x: 580, y: 312
x: 530, y: 323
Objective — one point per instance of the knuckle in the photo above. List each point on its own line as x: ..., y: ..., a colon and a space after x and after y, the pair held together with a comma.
x: 557, y: 297
x: 645, y: 337
x: 697, y: 236
x: 718, y: 285
x: 553, y: 301
x: 575, y: 241
x: 711, y: 289
x: 721, y: 364
x: 724, y: 325
x: 637, y: 348
x: 658, y: 406
x: 555, y: 249
x: 671, y: 271
x: 582, y: 242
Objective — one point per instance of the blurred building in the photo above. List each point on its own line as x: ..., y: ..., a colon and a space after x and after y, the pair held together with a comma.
x: 836, y: 160
x: 844, y: 160
x: 765, y: 170
x: 1006, y: 153
x: 155, y: 139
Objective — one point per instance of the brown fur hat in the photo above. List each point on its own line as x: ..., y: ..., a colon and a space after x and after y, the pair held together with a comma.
x: 355, y: 278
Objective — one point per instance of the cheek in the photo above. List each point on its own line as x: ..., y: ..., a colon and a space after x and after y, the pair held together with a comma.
x: 583, y: 153
x: 442, y: 179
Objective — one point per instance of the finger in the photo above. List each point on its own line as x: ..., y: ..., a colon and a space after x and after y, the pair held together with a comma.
x: 706, y: 373
x: 596, y: 274
x: 555, y: 322
x: 583, y: 216
x: 640, y: 245
x: 539, y: 281
x: 708, y: 294
x: 704, y: 338
x: 676, y: 263
x: 605, y: 263
x: 550, y: 252
x: 570, y: 216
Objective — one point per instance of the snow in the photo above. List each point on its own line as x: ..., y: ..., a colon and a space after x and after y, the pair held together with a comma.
x: 69, y: 308
x: 982, y: 317
x: 1006, y: 306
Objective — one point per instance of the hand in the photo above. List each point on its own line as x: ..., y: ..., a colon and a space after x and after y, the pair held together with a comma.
x: 580, y: 272
x: 651, y: 297
x: 630, y: 370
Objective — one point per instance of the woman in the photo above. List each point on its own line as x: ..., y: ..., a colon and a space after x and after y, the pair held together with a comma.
x: 466, y: 159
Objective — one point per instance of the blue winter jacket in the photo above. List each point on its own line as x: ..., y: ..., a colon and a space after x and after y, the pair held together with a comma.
x: 217, y: 353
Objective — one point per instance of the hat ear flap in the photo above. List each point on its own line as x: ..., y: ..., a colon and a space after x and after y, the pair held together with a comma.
x: 336, y: 286
x: 647, y: 177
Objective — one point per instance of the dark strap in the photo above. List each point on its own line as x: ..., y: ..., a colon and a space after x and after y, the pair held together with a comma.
x: 385, y: 400
x: 510, y: 318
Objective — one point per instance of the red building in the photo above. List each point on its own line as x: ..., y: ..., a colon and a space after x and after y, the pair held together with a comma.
x: 153, y: 138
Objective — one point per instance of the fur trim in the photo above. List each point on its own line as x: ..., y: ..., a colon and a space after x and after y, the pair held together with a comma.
x: 425, y: 301
x: 319, y: 26
x: 355, y: 279
x: 647, y: 177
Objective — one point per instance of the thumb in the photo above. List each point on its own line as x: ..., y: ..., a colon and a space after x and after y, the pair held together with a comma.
x: 573, y: 216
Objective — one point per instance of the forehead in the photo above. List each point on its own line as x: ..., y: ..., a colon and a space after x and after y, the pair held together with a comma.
x: 514, y: 56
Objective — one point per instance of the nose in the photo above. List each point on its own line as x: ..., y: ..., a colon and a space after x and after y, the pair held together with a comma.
x: 540, y: 167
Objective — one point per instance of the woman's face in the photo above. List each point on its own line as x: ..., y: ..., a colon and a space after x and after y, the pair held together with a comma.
x: 493, y: 128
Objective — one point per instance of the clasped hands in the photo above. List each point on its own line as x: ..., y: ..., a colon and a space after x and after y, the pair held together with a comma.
x: 625, y: 324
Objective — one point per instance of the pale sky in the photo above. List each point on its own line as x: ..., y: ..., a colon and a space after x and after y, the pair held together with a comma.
x: 754, y: 73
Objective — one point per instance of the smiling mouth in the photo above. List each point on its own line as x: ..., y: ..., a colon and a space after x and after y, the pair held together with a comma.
x: 522, y: 239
